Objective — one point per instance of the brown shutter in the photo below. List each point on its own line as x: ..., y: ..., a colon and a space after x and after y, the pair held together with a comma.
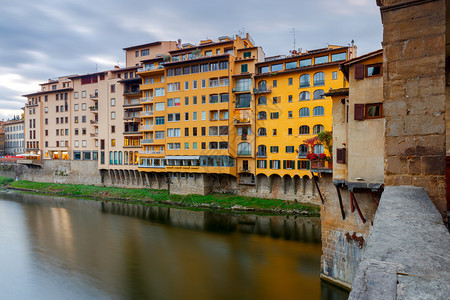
x: 359, y: 71
x: 359, y: 111
x: 340, y: 155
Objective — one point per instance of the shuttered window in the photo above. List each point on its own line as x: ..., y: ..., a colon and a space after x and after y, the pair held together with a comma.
x: 359, y: 111
x: 340, y: 155
x: 359, y: 71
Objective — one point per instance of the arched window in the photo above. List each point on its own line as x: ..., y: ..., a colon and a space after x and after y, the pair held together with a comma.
x: 262, y: 131
x: 303, y: 150
x: 303, y: 96
x: 262, y: 115
x: 318, y: 128
x: 304, y: 112
x: 262, y: 151
x: 304, y: 80
x: 262, y: 100
x: 244, y: 149
x: 318, y: 149
x: 318, y: 111
x: 262, y: 85
x: 120, y: 157
x: 319, y: 78
x: 304, y: 129
x: 318, y: 94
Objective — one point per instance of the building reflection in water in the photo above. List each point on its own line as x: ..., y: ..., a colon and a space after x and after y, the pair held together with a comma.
x: 166, y: 253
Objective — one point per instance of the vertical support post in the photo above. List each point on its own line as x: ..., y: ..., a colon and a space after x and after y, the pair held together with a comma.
x: 340, y: 202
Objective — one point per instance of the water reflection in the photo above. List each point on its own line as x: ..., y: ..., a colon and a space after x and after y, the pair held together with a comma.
x: 70, y: 249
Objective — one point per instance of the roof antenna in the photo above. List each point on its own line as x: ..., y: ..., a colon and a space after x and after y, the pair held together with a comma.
x: 293, y: 29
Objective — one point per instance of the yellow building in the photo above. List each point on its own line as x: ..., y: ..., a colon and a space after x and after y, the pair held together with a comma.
x: 291, y: 107
x: 186, y: 108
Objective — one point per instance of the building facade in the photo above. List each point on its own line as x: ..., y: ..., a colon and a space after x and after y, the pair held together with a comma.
x: 14, y: 137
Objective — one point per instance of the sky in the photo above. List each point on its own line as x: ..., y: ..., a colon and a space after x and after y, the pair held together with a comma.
x: 46, y: 39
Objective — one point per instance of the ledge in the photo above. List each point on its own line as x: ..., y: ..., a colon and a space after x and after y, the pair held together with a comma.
x: 407, y: 253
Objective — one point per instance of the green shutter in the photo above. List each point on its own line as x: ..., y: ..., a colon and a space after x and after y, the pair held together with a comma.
x: 299, y: 164
x: 308, y: 165
x: 284, y: 164
x: 270, y: 164
x: 293, y: 164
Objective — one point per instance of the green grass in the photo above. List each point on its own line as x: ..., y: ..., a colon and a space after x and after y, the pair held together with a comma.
x: 5, y: 181
x: 146, y: 196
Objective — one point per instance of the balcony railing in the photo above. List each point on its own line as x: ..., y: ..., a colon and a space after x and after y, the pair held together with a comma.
x: 132, y: 102
x: 94, y: 122
x: 151, y: 68
x: 146, y: 113
x: 261, y: 154
x: 93, y: 108
x: 146, y: 141
x: 93, y: 96
x: 318, y: 165
x: 146, y: 127
x: 94, y: 134
x: 262, y: 90
x: 244, y: 153
x: 151, y: 152
x: 245, y: 170
x: 131, y: 92
x: 242, y: 121
x: 146, y: 99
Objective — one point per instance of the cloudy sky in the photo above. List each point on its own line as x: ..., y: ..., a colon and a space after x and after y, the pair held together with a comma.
x: 42, y: 39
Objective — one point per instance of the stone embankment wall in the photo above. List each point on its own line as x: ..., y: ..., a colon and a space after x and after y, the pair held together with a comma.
x: 86, y: 172
x: 407, y: 252
x: 343, y: 239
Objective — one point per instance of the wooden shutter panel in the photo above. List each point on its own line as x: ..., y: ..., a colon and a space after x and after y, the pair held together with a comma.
x: 270, y: 164
x: 340, y: 155
x: 308, y: 165
x: 293, y: 164
x: 284, y: 164
x: 359, y: 111
x: 359, y: 71
x: 299, y: 164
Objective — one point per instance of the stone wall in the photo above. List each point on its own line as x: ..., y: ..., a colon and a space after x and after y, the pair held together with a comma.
x: 343, y: 240
x: 414, y: 95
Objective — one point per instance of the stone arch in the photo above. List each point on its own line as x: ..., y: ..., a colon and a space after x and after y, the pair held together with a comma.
x: 287, y: 184
x: 275, y: 184
x: 262, y: 183
x: 297, y: 183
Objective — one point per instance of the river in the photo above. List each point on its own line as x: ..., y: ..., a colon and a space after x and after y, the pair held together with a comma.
x: 62, y: 248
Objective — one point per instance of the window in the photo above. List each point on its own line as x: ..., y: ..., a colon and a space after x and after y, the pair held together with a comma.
x: 203, y: 131
x: 274, y: 131
x: 276, y: 68
x: 264, y: 69
x: 368, y: 111
x: 171, y: 102
x: 321, y: 60
x: 274, y: 115
x: 291, y: 65
x: 160, y: 106
x: 262, y: 151
x: 261, y: 164
x: 290, y: 114
x: 113, y: 101
x: 276, y: 100
x: 243, y: 84
x: 176, y: 117
x: 244, y: 68
x: 290, y: 81
x: 289, y: 149
x: 318, y: 94
x: 318, y: 111
x: 244, y: 149
x: 304, y: 80
x: 304, y: 112
x: 319, y: 79
x: 75, y: 107
x: 262, y: 131
x: 247, y: 54
x: 334, y: 75
x: 262, y: 100
x: 173, y: 132
x: 303, y: 96
x: 113, y: 142
x: 83, y: 106
x: 214, y: 98
x: 159, y: 135
x: 203, y: 83
x: 223, y: 65
x: 224, y: 98
x: 243, y: 100
x: 208, y: 53
x: 203, y: 115
x: 145, y: 52
x: 262, y: 115
x: 76, y: 120
x: 83, y: 131
x: 194, y: 84
x: 173, y: 87
x: 186, y: 146
x: 338, y: 56
x: 305, y: 62
x: 275, y: 83
x: 374, y: 70
x: 186, y: 85
x: 194, y: 145
x: 318, y: 149
x: 213, y: 130
x: 75, y: 96
x: 289, y: 164
x: 83, y: 94
x: 289, y: 131
x: 159, y: 120
x: 303, y: 150
x: 213, y: 145
x: 186, y: 116
x: 318, y: 128
x: 159, y: 92
x: 203, y: 145
x: 274, y: 164
x: 194, y: 131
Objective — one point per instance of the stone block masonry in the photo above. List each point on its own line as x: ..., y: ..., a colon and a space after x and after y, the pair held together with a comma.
x: 407, y: 255
x: 415, y: 95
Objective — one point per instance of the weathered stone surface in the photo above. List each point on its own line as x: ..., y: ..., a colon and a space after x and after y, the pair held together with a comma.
x: 396, y: 165
x: 408, y: 234
x: 395, y: 126
x: 433, y: 165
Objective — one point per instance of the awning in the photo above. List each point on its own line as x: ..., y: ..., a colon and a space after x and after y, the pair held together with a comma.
x: 188, y: 157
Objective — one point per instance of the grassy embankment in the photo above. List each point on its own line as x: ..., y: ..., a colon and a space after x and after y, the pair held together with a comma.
x: 162, y: 197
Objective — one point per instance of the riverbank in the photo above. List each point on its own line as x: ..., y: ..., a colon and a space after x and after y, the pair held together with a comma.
x: 150, y: 197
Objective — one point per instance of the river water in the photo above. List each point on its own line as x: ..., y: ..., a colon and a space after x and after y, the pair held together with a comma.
x: 61, y: 248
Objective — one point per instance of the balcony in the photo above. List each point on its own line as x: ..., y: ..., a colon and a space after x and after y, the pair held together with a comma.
x: 146, y: 99
x: 152, y: 152
x: 146, y: 113
x: 146, y: 127
x: 245, y: 170
x: 150, y: 68
x: 132, y: 102
x: 244, y: 153
x: 132, y: 146
x: 146, y: 141
x: 242, y: 121
x: 132, y: 132
x: 131, y: 92
x: 94, y: 134
x: 132, y: 119
x: 93, y: 108
x: 94, y: 122
x: 262, y: 90
x: 241, y: 90
x: 261, y: 154
x: 321, y: 166
x: 93, y: 96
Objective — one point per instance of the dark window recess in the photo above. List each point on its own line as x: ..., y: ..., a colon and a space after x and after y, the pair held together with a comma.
x: 340, y: 155
x: 359, y: 111
x: 359, y: 71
